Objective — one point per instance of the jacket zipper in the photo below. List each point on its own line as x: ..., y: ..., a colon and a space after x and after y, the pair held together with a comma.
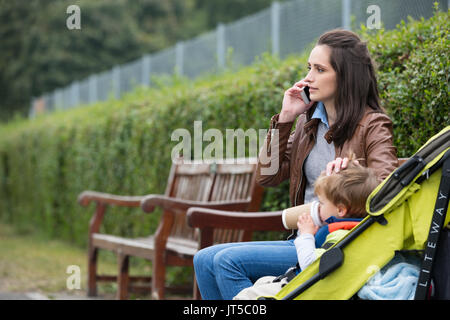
x: 298, y: 188
x: 293, y: 234
x: 301, y: 177
x: 269, y: 147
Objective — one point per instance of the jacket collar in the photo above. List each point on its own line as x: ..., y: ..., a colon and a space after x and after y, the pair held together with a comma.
x: 310, y: 128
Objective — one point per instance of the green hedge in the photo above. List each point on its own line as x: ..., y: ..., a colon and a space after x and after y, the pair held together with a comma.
x: 124, y: 146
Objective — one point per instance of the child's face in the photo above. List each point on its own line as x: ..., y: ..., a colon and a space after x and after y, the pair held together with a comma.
x: 327, y: 208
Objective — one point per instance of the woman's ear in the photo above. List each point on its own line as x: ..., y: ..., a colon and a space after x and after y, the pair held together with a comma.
x: 342, y: 210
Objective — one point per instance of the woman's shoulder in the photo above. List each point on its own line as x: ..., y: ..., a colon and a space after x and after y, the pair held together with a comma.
x: 372, y: 117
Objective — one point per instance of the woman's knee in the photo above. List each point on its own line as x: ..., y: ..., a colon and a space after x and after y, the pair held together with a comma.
x: 202, y: 258
x: 207, y: 255
x: 227, y: 259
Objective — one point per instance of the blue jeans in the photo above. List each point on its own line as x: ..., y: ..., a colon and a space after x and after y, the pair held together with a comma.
x: 223, y: 270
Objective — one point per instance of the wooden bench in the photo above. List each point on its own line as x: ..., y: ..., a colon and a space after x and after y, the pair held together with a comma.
x: 208, y: 220
x: 226, y: 185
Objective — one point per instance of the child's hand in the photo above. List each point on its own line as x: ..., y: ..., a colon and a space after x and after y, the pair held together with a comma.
x: 305, y: 224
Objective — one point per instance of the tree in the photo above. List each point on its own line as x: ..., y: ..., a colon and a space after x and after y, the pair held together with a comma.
x: 39, y: 53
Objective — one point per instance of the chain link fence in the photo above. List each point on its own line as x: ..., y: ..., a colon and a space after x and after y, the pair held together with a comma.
x: 282, y: 29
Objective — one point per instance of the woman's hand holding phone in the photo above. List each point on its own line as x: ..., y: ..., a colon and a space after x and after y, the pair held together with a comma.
x: 293, y: 104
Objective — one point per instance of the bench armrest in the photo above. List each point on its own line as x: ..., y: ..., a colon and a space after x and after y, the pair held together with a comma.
x: 209, y: 219
x: 251, y: 221
x: 149, y: 203
x: 106, y: 198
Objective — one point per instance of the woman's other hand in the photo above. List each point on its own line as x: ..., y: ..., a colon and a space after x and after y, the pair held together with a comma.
x: 338, y: 164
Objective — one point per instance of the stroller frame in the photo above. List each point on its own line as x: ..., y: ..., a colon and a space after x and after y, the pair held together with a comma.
x: 434, y: 155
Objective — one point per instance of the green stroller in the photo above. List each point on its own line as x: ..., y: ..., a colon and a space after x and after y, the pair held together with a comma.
x: 408, y: 211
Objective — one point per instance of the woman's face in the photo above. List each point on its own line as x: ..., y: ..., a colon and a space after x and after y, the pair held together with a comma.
x: 321, y: 76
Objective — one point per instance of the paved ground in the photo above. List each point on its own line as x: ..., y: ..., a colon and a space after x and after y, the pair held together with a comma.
x: 67, y: 296
x: 40, y: 296
x: 14, y: 296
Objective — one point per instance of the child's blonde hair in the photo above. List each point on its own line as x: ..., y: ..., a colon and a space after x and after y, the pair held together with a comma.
x: 349, y: 187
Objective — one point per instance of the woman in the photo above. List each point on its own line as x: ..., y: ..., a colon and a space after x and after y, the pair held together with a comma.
x: 344, y: 115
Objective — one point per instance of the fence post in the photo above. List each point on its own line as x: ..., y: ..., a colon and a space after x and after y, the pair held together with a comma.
x: 179, y: 61
x: 275, y: 27
x: 56, y: 97
x: 146, y: 69
x: 346, y: 12
x: 51, y: 106
x: 93, y: 96
x: 74, y: 94
x: 220, y: 46
x: 116, y: 81
x: 32, y: 110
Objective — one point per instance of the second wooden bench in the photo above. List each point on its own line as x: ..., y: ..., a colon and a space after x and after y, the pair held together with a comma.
x: 226, y: 185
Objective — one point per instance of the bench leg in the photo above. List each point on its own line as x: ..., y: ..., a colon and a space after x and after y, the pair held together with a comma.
x: 92, y: 272
x: 196, y: 291
x: 123, y: 277
x: 158, y: 278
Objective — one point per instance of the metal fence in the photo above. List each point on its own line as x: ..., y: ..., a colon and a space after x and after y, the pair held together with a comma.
x: 282, y: 29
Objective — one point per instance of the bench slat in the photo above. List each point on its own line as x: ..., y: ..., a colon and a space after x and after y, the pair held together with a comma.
x: 144, y: 247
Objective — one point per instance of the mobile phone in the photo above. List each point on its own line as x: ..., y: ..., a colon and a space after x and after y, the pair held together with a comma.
x: 305, y: 95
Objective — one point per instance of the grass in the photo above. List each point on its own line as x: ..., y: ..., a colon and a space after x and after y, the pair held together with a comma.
x: 32, y: 263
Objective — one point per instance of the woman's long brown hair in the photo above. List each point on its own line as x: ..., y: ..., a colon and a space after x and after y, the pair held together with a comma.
x: 356, y: 82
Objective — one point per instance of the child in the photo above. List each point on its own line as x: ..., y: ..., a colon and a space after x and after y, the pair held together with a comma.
x: 342, y: 197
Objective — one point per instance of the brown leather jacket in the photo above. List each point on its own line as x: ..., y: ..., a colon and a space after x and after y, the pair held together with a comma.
x: 372, y: 144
